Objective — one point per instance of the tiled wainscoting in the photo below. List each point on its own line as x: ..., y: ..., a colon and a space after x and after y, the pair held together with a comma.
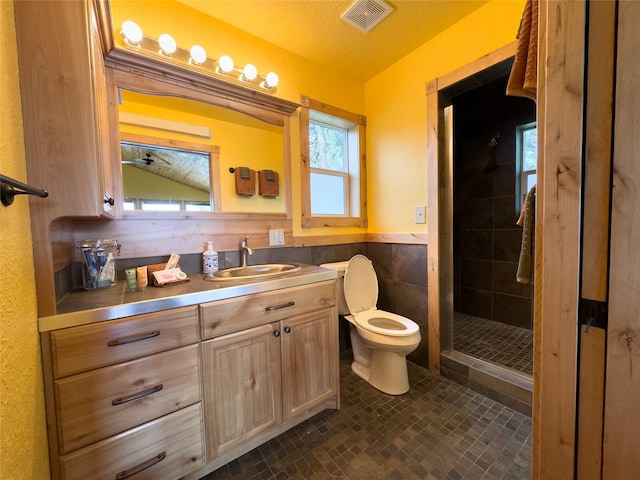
x: 401, y: 271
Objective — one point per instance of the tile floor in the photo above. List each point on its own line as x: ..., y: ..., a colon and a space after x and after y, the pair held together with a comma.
x: 438, y: 430
x: 493, y: 342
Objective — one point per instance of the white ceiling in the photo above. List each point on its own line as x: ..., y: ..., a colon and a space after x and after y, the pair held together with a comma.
x: 314, y: 30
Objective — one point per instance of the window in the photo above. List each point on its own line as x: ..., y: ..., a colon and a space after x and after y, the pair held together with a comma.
x: 527, y: 161
x: 333, y: 192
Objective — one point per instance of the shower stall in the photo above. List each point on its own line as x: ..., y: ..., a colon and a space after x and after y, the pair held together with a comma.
x: 493, y: 312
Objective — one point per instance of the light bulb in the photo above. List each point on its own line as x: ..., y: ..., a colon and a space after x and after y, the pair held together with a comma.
x: 167, y: 44
x: 250, y: 72
x: 225, y: 64
x: 271, y: 80
x: 132, y: 32
x: 198, y: 55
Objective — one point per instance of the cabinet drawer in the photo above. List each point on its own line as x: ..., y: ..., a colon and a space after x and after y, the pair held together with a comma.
x: 97, y: 404
x: 79, y: 349
x: 164, y: 449
x: 225, y: 316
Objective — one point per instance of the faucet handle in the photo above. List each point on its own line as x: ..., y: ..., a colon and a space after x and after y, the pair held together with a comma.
x: 243, y: 244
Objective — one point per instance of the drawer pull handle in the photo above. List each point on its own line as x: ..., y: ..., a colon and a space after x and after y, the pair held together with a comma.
x: 142, y: 466
x: 137, y: 396
x: 278, y: 307
x: 125, y: 340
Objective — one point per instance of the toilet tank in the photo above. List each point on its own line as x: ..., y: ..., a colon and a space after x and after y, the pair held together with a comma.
x: 339, y: 267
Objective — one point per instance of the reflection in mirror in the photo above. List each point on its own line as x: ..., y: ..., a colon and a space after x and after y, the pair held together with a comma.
x: 165, y: 179
x: 240, y: 140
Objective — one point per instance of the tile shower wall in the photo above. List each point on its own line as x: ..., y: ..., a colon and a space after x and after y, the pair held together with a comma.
x: 486, y: 237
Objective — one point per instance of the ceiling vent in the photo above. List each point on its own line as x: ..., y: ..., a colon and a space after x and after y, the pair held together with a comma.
x: 366, y: 14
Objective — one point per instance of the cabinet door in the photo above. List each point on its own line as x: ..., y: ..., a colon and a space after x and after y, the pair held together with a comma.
x: 62, y: 80
x: 104, y: 116
x: 309, y: 360
x: 242, y: 387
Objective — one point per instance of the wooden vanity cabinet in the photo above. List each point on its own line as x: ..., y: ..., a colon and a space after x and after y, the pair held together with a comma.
x: 265, y: 378
x: 124, y: 396
x: 176, y: 394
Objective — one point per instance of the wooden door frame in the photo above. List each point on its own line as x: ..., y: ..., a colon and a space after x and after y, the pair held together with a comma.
x: 440, y: 199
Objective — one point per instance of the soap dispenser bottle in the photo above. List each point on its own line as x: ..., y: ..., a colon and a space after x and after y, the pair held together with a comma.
x: 209, y: 260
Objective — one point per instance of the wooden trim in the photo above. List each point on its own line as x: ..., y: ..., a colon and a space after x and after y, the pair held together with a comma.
x: 598, y: 141
x: 591, y: 403
x: 622, y: 394
x: 321, y: 240
x: 334, y: 222
x: 536, y: 467
x: 556, y: 328
x: 404, y: 238
x: 305, y: 165
x: 595, y: 233
x: 482, y: 63
x: 140, y: 81
x: 307, y: 219
x: 440, y: 198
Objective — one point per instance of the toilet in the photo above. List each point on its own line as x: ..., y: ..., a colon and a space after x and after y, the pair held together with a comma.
x: 380, y: 340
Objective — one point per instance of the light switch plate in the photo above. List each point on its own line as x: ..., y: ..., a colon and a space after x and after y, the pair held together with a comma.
x: 420, y: 215
x: 276, y: 237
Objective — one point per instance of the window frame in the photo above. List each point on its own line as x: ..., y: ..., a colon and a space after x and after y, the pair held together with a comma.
x: 521, y: 174
x: 356, y: 195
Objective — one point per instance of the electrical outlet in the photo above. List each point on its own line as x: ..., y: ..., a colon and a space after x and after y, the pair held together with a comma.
x: 420, y: 215
x: 276, y: 237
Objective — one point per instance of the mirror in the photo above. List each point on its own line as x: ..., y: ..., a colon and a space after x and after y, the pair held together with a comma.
x: 161, y: 178
x: 170, y: 162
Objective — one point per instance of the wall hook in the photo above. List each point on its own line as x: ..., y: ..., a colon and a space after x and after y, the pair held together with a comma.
x: 9, y: 188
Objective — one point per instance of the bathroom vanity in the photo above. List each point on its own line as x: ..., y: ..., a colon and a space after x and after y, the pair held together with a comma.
x: 171, y: 383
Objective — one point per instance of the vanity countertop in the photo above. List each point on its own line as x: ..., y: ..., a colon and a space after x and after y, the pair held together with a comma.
x: 83, y: 307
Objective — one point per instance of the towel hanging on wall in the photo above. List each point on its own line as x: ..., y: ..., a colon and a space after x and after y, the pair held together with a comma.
x: 268, y: 183
x: 527, y: 221
x: 245, y: 181
x: 523, y: 80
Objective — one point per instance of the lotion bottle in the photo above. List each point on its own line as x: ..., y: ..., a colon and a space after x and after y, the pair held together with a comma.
x: 209, y: 260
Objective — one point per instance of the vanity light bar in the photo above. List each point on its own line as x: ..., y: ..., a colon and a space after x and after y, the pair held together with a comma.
x: 166, y: 49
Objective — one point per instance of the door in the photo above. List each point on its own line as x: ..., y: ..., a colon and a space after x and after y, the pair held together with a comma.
x: 621, y: 440
x: 309, y: 356
x: 242, y: 386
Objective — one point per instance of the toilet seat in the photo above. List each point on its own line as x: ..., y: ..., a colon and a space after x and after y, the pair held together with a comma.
x: 361, y: 295
x: 385, y: 323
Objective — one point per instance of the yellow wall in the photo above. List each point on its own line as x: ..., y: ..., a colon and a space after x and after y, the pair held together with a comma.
x: 297, y: 75
x: 23, y: 438
x: 394, y: 101
x: 396, y: 112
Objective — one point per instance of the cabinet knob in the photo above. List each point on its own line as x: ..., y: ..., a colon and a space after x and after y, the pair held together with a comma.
x: 287, y: 329
x: 276, y: 333
x: 109, y: 200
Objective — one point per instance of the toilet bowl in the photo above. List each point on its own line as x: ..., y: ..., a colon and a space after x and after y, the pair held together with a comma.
x: 380, y: 340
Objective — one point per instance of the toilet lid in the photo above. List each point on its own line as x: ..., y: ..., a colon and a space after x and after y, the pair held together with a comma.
x: 360, y: 285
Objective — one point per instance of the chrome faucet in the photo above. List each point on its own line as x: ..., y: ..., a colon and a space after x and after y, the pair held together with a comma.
x: 245, y: 251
